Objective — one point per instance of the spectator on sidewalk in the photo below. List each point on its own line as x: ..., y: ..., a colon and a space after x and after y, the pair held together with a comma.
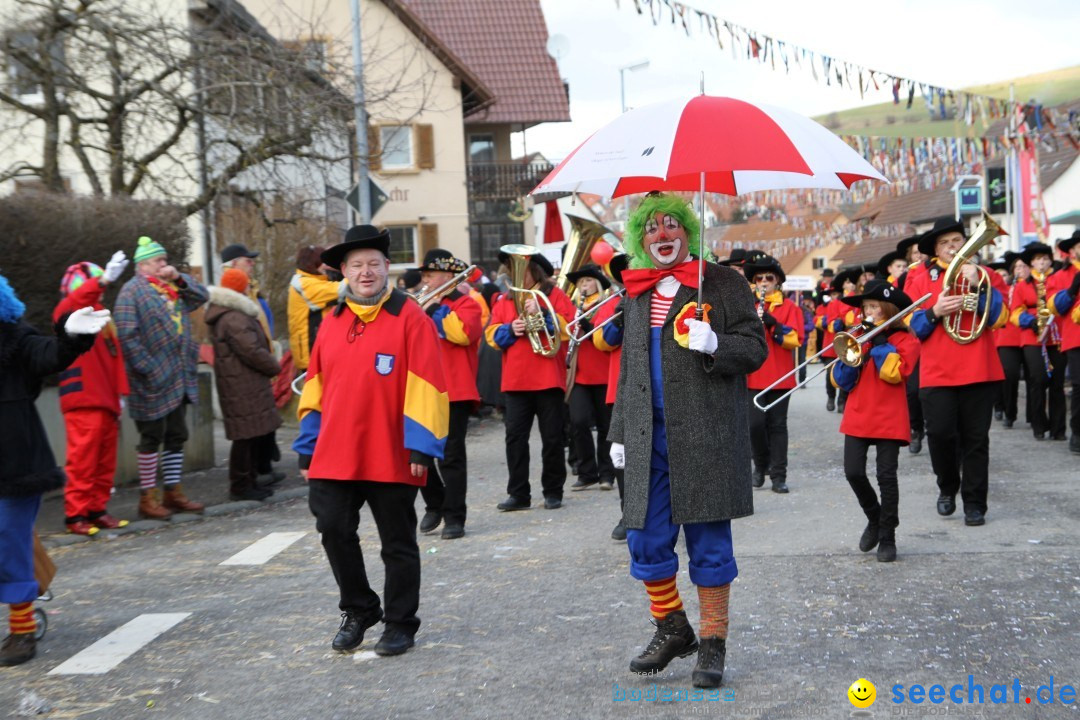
x: 153, y: 321
x: 90, y: 398
x: 27, y: 466
x: 243, y: 366
x: 311, y: 295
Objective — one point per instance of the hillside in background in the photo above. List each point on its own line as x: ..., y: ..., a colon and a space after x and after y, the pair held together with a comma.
x: 1049, y: 88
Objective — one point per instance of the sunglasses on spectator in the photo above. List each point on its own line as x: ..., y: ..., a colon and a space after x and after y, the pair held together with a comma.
x: 767, y: 277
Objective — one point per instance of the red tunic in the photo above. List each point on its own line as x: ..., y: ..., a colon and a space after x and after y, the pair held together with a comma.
x: 1008, y: 335
x: 613, y: 353
x: 592, y: 364
x: 878, y: 409
x: 460, y: 329
x: 781, y: 343
x: 1026, y: 302
x: 834, y: 310
x: 97, y: 378
x: 1069, y: 323
x: 522, y: 369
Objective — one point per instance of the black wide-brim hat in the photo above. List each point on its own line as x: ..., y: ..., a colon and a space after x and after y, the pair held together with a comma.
x: 542, y: 262
x: 1069, y: 243
x: 359, y: 237
x: 1028, y: 253
x: 442, y: 261
x: 592, y: 271
x: 851, y: 274
x: 888, y: 259
x: 880, y: 290
x: 828, y: 272
x: 618, y: 263
x: 737, y: 257
x: 1010, y: 259
x: 764, y: 265
x: 927, y: 242
x: 903, y: 245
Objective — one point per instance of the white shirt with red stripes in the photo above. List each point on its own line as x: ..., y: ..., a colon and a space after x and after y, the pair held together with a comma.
x: 662, y: 297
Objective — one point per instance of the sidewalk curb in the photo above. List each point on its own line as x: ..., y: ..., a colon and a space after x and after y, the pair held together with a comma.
x: 139, y: 527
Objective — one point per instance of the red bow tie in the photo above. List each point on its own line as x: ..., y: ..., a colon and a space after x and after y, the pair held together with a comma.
x: 641, y: 281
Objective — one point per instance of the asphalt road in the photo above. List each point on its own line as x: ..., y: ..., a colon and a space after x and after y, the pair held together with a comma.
x: 534, y: 614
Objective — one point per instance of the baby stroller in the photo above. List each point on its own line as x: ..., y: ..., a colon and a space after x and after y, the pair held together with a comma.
x: 44, y: 572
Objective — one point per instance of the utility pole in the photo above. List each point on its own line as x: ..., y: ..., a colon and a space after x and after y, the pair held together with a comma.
x: 360, y: 115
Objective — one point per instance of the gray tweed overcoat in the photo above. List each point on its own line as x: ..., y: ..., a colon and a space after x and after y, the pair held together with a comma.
x: 705, y: 402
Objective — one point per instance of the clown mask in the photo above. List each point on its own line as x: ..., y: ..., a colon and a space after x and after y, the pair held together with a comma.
x: 665, y: 240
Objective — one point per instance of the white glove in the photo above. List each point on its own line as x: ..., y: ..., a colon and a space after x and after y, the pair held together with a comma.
x: 115, y: 268
x: 826, y: 299
x: 702, y: 338
x: 618, y: 455
x: 86, y: 321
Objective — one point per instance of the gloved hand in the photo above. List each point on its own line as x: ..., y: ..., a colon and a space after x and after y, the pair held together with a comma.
x: 702, y: 338
x: 769, y: 320
x: 618, y: 455
x: 584, y: 326
x: 879, y: 340
x: 115, y: 267
x: 620, y: 315
x: 826, y: 299
x: 1074, y: 289
x: 86, y: 321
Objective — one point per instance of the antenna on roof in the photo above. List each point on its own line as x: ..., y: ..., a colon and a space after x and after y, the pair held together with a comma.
x: 558, y: 46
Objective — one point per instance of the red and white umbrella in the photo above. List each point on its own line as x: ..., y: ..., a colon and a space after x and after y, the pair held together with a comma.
x: 735, y: 146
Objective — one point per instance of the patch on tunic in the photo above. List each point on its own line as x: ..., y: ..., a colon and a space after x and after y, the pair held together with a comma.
x: 384, y: 364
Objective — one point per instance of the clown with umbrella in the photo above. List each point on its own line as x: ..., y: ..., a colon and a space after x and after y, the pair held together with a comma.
x: 691, y: 336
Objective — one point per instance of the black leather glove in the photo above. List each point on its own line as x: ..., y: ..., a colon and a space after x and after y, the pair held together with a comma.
x: 1074, y: 289
x: 769, y: 320
x: 879, y: 340
x: 620, y: 315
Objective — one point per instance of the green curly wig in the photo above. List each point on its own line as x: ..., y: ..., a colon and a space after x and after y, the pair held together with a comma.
x: 659, y: 203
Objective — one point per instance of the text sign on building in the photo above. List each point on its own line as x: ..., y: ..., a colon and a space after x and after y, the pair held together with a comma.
x: 798, y: 282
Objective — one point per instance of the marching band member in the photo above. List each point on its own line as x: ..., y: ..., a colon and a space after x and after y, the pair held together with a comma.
x: 908, y: 248
x: 1043, y: 361
x: 373, y: 415
x: 891, y: 267
x: 877, y: 413
x: 828, y: 322
x: 1010, y: 344
x: 784, y: 333
x: 609, y: 340
x: 587, y: 407
x: 1066, y: 305
x: 458, y: 320
x: 688, y: 376
x: 533, y: 386
x: 958, y: 380
x: 843, y: 317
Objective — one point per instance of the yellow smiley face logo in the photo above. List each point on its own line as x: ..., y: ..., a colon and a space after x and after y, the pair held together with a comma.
x: 862, y: 693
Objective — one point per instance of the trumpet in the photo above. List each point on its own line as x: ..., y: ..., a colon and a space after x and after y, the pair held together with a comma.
x: 424, y: 296
x: 954, y: 283
x: 848, y: 348
x: 544, y: 342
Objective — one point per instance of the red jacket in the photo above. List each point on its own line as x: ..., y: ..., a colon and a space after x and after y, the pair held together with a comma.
x: 946, y: 363
x: 831, y: 312
x: 1068, y: 319
x: 609, y: 341
x: 458, y: 321
x: 1026, y: 302
x: 522, y: 369
x: 1009, y: 334
x: 592, y: 363
x: 97, y: 378
x: 877, y: 404
x: 782, y: 339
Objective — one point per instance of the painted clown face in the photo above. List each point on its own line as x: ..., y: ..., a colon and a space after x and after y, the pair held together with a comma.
x: 665, y: 240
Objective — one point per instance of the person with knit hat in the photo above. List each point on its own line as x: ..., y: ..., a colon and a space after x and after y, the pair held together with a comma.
x: 90, y: 398
x: 154, y: 325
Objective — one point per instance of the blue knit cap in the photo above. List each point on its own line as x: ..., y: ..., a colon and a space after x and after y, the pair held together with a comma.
x: 11, y: 307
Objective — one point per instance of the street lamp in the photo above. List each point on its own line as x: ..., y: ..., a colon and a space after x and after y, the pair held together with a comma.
x: 633, y: 67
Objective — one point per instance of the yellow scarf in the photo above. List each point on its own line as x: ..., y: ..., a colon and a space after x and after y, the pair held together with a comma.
x: 368, y: 313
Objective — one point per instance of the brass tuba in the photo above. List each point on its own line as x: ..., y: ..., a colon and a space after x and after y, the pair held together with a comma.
x: 954, y: 283
x: 584, y: 234
x: 544, y: 342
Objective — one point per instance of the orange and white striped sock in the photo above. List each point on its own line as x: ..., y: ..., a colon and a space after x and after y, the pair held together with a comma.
x: 714, y: 611
x: 22, y: 619
x: 663, y: 597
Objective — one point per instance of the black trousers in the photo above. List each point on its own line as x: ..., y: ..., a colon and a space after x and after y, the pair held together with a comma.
x: 886, y: 511
x: 169, y: 431
x: 1012, y: 362
x: 568, y: 437
x: 769, y: 435
x: 830, y: 389
x: 1073, y: 361
x: 1042, y: 386
x: 447, y: 479
x: 958, y: 432
x: 915, y: 413
x: 547, y: 407
x: 242, y: 462
x: 267, y: 453
x: 336, y: 506
x: 620, y: 475
x: 587, y: 408
x: 801, y: 360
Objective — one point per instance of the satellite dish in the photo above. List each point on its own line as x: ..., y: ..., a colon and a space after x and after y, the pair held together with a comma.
x: 558, y: 46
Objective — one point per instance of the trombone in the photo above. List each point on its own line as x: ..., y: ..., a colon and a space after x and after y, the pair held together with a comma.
x: 848, y: 347
x: 424, y: 296
x: 589, y: 312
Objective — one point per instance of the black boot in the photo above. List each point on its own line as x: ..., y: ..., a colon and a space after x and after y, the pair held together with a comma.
x: 758, y: 477
x: 916, y: 442
x: 674, y: 638
x: 869, y: 539
x: 886, y: 551
x: 1074, y: 443
x: 709, y: 671
x: 17, y: 649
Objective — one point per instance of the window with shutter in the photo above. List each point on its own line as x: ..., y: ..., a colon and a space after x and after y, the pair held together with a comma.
x: 425, y: 147
x: 429, y: 237
x: 374, y: 148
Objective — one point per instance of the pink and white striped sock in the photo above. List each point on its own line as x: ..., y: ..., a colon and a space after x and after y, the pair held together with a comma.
x: 171, y: 464
x: 148, y: 464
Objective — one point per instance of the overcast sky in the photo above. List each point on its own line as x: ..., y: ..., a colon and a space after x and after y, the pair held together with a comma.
x: 950, y: 43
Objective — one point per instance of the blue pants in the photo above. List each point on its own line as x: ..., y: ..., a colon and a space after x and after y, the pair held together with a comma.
x: 17, y: 516
x: 652, y: 549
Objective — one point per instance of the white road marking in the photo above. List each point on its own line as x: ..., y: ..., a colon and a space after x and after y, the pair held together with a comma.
x: 119, y: 645
x: 262, y: 550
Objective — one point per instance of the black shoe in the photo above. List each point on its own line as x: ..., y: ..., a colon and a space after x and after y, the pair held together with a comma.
x: 1059, y: 437
x: 552, y: 503
x: 453, y: 532
x: 270, y: 479
x: 253, y: 493
x: 18, y: 649
x: 512, y: 503
x: 779, y: 486
x: 582, y: 484
x: 916, y: 444
x: 674, y: 638
x: 574, y: 469
x: 709, y: 671
x: 1009, y: 423
x: 840, y: 407
x: 393, y: 642
x: 869, y: 539
x: 607, y: 485
x: 999, y: 415
x: 886, y: 551
x: 430, y: 521
x: 1074, y: 444
x: 1040, y: 436
x: 758, y: 477
x: 831, y: 405
x: 974, y: 518
x: 351, y: 633
x: 946, y: 505
x: 619, y: 533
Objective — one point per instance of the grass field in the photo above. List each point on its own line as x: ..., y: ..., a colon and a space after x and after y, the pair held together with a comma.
x: 1050, y: 88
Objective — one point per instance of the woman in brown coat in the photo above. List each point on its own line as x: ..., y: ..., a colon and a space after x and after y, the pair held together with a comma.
x: 243, y: 366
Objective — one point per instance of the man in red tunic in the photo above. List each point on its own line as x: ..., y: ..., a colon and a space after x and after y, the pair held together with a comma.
x: 373, y: 417
x: 1065, y: 286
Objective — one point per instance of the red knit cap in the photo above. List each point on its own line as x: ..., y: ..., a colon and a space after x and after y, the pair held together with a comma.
x: 234, y: 279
